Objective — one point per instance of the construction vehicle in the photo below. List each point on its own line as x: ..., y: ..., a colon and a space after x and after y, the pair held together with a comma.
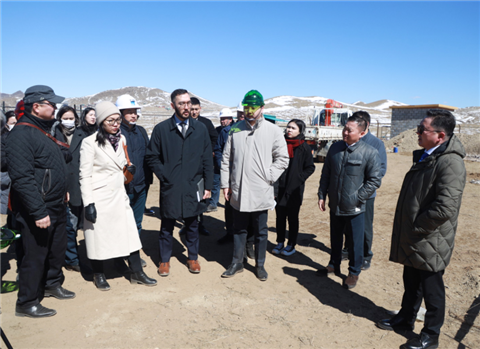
x: 325, y: 127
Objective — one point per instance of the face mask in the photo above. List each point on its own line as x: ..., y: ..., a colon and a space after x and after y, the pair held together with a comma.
x: 10, y: 127
x: 68, y: 123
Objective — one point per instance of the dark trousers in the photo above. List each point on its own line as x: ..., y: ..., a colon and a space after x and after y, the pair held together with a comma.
x: 73, y: 218
x: 353, y: 227
x: 428, y: 285
x: 44, y: 254
x: 133, y: 261
x: 291, y: 213
x: 228, y: 217
x: 368, y: 239
x: 137, y: 203
x: 257, y: 222
x: 191, y: 237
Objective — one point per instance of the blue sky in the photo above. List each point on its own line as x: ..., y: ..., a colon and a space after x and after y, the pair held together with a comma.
x: 411, y: 52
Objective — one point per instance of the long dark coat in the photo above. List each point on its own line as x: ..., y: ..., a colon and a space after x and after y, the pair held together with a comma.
x: 291, y: 183
x: 180, y: 164
x: 426, y: 216
x: 73, y: 168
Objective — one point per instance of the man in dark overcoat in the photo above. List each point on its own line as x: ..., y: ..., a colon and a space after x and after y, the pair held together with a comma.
x: 180, y: 155
x: 425, y: 224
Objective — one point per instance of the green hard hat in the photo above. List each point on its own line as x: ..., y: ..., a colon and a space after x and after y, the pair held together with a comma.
x: 253, y: 98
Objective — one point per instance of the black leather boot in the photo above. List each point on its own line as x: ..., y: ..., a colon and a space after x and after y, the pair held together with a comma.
x: 141, y: 278
x: 101, y: 282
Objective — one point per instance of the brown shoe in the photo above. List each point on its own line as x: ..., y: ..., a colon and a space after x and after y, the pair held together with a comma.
x: 164, y: 269
x: 351, y: 281
x: 193, y: 266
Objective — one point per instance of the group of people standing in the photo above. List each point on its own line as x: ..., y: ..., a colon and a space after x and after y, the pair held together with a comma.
x: 78, y: 178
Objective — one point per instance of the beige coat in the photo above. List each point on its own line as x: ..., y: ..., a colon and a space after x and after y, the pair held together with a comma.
x: 253, y: 159
x: 114, y: 234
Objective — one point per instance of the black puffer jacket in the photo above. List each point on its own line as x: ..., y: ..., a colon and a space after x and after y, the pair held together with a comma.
x: 36, y: 167
x: 427, y: 210
x: 350, y: 175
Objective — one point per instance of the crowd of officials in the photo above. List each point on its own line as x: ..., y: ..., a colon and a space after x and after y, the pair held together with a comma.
x: 66, y: 172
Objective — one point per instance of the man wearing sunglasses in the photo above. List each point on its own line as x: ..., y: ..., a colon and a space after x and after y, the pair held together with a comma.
x: 254, y: 157
x: 38, y: 172
x: 425, y: 224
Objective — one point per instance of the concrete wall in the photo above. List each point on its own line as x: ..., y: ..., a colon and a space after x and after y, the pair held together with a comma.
x: 406, y: 119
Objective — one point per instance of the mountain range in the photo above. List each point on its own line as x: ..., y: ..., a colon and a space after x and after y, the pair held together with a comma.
x: 157, y: 101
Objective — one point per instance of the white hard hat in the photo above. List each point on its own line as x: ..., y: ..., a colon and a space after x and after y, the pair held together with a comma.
x: 127, y: 102
x: 240, y: 106
x: 225, y: 113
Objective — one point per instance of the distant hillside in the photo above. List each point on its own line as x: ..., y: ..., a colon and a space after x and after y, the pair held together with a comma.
x: 157, y: 101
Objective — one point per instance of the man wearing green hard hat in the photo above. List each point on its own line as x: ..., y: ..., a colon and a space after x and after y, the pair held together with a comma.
x: 247, y: 176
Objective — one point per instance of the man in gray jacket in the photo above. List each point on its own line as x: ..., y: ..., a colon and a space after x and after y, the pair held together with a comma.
x: 254, y: 157
x: 425, y: 224
x: 350, y: 175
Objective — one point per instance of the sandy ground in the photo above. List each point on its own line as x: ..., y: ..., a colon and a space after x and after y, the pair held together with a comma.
x: 294, y: 308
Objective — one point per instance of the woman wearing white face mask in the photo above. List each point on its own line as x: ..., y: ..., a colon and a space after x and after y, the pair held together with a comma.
x: 11, y: 120
x: 68, y: 118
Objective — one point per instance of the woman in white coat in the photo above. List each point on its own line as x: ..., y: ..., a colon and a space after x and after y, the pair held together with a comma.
x: 110, y: 228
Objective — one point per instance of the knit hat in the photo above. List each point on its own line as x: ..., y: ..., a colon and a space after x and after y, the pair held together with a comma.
x: 104, y: 109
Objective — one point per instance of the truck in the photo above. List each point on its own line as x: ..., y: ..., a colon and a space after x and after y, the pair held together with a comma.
x: 325, y: 127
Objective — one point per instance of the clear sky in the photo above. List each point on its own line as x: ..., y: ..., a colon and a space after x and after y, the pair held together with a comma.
x: 411, y: 52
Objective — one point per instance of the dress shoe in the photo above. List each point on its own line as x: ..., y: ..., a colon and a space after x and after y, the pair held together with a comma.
x: 250, y: 251
x: 75, y: 267
x: 142, y: 261
x: 141, y: 278
x: 149, y: 212
x: 351, y: 281
x: 233, y: 269
x: 164, y: 269
x: 226, y: 239
x: 59, y: 293
x: 365, y: 265
x: 35, y: 311
x: 395, y: 323
x: 101, y: 282
x: 262, y: 274
x: 193, y: 266
x: 211, y: 208
x: 423, y: 342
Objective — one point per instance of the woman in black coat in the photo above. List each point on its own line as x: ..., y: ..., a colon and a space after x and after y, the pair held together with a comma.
x: 86, y: 127
x: 290, y: 186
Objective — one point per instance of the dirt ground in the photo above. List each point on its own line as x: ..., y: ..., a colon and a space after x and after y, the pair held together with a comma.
x: 294, y: 308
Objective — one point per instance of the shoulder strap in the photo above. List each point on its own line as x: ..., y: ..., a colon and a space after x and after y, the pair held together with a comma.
x: 126, y: 154
x: 46, y: 134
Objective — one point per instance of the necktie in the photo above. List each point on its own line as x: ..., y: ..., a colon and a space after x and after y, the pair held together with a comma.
x: 184, y: 128
x: 424, y: 155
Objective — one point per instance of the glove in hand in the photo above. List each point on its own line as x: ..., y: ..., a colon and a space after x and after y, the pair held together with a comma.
x: 91, y: 213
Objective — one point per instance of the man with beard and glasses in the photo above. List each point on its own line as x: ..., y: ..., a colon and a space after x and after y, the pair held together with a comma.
x: 254, y: 157
x: 180, y: 155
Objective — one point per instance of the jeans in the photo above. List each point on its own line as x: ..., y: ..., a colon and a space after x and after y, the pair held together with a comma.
x: 73, y: 217
x: 137, y: 203
x: 368, y: 240
x: 353, y: 227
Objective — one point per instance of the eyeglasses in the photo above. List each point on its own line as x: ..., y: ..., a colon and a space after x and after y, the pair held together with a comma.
x: 250, y: 109
x: 185, y: 104
x: 421, y: 129
x: 114, y: 121
x: 53, y: 105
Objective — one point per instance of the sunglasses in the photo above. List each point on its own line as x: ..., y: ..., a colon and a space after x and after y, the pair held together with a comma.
x: 421, y: 129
